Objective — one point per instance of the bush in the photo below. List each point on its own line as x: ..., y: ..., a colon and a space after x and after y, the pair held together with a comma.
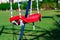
x: 15, y: 6
x: 59, y: 6
x: 24, y: 5
x: 53, y: 5
x: 6, y: 6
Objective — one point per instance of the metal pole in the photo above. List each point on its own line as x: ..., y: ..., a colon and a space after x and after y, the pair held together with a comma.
x: 27, y: 8
x: 31, y: 8
x: 37, y: 6
x: 22, y: 30
x: 11, y: 8
x: 19, y: 8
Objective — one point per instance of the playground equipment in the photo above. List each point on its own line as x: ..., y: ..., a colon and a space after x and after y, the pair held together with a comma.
x: 22, y: 20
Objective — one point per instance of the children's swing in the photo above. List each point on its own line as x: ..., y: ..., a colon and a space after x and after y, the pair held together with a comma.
x: 22, y: 20
x: 27, y: 19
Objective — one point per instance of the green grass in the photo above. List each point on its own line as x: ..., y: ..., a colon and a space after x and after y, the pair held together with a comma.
x: 44, y: 29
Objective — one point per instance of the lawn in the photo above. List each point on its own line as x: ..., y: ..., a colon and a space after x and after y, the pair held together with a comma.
x: 46, y: 29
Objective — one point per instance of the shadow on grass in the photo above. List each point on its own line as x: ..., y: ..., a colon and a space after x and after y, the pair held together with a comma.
x: 58, y: 15
x: 47, y: 16
x: 1, y: 30
x: 52, y: 35
x: 57, y: 11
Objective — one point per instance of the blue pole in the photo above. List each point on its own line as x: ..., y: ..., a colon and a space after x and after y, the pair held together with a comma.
x: 22, y: 30
x: 23, y: 25
x: 27, y: 9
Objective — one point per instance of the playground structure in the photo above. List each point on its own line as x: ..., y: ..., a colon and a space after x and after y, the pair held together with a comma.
x: 47, y: 29
x: 48, y: 22
x: 22, y: 20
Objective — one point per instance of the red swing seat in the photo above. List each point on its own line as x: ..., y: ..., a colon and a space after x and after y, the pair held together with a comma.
x: 31, y: 18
